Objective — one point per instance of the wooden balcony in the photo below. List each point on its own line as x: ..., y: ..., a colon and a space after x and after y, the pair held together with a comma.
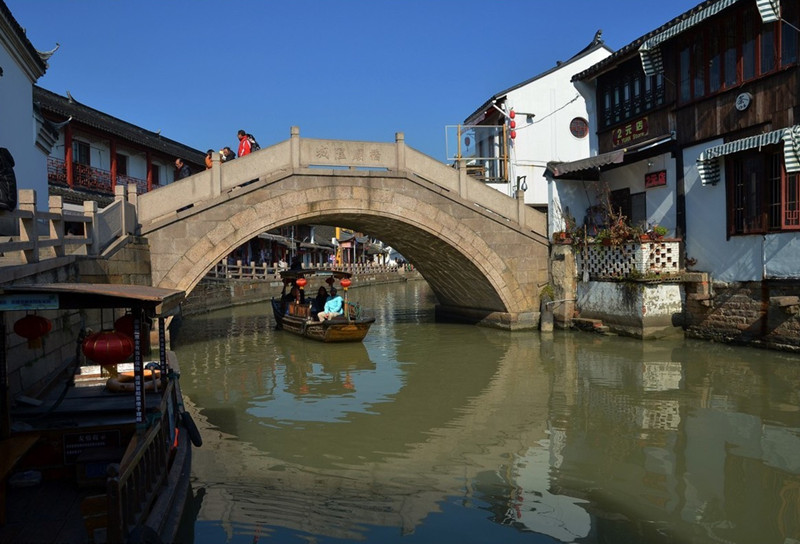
x: 87, y: 178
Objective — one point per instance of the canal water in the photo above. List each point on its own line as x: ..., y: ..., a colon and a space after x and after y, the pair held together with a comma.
x: 436, y: 433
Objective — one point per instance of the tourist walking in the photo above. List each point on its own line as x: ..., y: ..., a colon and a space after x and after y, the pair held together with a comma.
x: 244, y: 144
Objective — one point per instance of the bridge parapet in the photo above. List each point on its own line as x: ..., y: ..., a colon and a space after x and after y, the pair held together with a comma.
x: 299, y: 154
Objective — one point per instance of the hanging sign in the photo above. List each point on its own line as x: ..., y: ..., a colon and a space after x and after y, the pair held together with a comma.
x: 655, y: 179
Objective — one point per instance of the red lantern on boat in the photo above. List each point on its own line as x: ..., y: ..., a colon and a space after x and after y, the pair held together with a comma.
x: 301, y: 282
x: 330, y: 280
x: 345, y: 283
x: 32, y: 327
x: 107, y: 347
x: 124, y: 325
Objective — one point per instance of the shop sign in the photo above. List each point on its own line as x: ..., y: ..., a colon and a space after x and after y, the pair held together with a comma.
x: 630, y: 132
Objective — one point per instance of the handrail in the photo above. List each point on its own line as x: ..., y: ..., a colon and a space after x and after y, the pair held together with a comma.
x: 141, y: 473
x: 271, y: 272
x: 100, y: 228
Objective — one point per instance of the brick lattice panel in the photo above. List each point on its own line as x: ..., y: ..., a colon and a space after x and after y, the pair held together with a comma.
x: 656, y: 257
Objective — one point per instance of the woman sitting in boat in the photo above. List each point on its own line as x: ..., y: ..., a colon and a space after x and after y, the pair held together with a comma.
x: 333, y: 306
x: 318, y: 304
x: 294, y: 295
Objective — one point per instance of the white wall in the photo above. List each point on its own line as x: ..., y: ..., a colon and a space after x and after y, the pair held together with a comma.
x: 18, y: 128
x: 742, y: 258
x: 555, y: 101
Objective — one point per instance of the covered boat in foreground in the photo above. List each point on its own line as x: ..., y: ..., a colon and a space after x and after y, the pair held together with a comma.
x: 300, y: 316
x: 88, y: 460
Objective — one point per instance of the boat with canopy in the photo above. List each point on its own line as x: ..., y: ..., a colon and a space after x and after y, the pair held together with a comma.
x: 300, y: 316
x: 82, y: 462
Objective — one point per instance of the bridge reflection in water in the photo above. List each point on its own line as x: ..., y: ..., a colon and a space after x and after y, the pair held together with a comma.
x: 449, y: 433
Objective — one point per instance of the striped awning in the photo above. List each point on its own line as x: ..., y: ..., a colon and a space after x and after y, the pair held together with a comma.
x: 770, y: 10
x: 708, y: 161
x: 650, y: 52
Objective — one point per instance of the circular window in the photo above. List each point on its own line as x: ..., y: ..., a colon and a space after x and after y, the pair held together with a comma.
x: 579, y: 127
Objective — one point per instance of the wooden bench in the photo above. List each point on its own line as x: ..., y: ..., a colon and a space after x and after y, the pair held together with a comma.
x: 11, y: 451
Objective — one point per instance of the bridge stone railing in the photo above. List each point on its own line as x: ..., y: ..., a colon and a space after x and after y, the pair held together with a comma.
x: 298, y: 154
x: 44, y: 235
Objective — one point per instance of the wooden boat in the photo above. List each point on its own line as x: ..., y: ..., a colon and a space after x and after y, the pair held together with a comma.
x: 298, y: 317
x: 83, y: 463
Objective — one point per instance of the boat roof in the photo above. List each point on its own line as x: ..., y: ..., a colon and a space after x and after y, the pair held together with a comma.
x: 156, y: 300
x: 303, y: 272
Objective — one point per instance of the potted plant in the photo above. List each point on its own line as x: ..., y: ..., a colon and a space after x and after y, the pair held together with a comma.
x: 562, y: 237
x: 658, y: 232
x: 603, y: 237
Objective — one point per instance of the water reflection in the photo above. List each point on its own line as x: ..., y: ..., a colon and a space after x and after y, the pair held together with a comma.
x: 445, y: 433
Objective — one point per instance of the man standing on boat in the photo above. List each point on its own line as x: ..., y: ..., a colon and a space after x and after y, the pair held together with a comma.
x: 333, y: 306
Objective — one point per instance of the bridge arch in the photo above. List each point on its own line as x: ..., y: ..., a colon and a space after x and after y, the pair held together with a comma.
x: 483, y: 266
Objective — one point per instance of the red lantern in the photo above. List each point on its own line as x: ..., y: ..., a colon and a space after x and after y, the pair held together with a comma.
x: 301, y: 282
x: 32, y: 328
x: 124, y: 325
x: 345, y: 283
x: 330, y: 280
x: 107, y: 347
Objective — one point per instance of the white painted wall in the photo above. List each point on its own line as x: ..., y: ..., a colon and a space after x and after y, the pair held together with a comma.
x: 742, y: 258
x: 555, y: 101
x: 18, y: 127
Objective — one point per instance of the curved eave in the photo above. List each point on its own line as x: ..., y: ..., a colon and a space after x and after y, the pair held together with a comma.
x: 19, y: 47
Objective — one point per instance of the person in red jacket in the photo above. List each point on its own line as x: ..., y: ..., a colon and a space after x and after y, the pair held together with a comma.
x: 244, y: 144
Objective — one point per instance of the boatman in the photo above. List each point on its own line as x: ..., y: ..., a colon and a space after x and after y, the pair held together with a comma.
x: 333, y: 306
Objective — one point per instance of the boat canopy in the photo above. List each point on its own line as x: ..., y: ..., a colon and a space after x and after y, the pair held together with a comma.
x: 304, y: 272
x: 155, y: 301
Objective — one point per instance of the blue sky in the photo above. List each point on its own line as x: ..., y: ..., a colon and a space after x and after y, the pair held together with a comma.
x: 348, y: 69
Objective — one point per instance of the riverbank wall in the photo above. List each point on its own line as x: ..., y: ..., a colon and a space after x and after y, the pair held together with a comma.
x: 215, y: 293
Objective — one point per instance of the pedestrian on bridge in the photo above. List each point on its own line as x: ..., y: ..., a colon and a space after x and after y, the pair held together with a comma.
x: 182, y: 170
x: 244, y: 144
x: 227, y: 154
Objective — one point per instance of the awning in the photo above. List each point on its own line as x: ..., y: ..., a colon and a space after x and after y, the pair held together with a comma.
x: 708, y: 161
x: 561, y: 168
x: 308, y: 245
x: 618, y: 156
x: 770, y: 10
x: 283, y: 240
x: 649, y: 50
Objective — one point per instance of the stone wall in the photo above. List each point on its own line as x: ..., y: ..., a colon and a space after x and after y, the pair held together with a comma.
x: 762, y: 314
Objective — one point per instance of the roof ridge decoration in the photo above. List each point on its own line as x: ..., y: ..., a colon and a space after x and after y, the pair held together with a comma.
x: 45, y: 55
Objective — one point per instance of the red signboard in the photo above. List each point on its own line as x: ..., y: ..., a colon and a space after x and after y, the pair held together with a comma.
x: 655, y: 179
x: 630, y: 132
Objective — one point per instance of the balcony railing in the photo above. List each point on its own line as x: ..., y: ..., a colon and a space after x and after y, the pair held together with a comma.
x: 89, y: 178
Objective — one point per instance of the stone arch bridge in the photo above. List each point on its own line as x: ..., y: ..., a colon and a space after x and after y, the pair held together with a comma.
x: 483, y: 253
